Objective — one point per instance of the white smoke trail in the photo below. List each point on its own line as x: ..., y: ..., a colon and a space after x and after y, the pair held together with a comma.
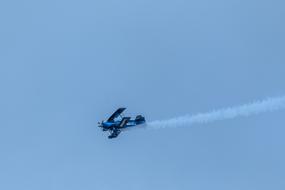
x: 267, y: 105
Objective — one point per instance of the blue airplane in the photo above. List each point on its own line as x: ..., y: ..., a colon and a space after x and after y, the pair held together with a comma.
x: 115, y: 125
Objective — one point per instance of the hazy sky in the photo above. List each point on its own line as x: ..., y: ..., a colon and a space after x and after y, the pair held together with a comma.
x: 65, y: 65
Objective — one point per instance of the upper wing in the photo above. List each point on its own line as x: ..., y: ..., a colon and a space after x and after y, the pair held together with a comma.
x: 116, y: 114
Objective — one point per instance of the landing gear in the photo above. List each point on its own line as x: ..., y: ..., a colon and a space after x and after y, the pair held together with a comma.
x: 114, y: 133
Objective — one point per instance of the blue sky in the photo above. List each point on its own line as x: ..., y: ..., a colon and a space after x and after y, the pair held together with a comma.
x: 65, y: 65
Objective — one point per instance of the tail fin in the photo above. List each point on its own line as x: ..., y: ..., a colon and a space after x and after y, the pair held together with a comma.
x: 140, y: 119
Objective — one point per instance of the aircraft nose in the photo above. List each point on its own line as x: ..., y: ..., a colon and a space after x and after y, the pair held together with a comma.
x: 100, y: 124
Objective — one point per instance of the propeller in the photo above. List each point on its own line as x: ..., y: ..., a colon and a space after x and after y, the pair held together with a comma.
x: 100, y: 124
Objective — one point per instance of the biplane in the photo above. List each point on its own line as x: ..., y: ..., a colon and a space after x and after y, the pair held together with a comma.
x: 117, y: 123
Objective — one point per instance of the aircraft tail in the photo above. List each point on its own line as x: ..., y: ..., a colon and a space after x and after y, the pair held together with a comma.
x: 140, y: 119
